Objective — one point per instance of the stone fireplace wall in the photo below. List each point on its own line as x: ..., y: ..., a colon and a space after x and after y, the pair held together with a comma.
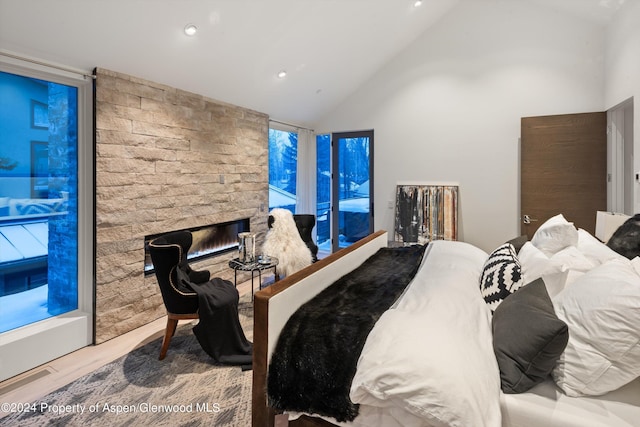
x: 166, y: 160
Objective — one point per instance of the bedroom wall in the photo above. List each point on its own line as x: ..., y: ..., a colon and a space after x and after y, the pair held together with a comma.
x: 448, y: 108
x: 160, y: 156
x: 622, y: 71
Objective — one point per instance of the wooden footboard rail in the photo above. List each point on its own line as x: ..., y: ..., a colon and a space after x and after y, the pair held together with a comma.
x: 273, y: 305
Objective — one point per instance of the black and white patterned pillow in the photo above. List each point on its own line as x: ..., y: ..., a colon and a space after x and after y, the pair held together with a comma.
x: 501, y: 275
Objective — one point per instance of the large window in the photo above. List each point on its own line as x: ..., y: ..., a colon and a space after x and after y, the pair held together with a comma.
x: 283, y: 158
x: 340, y: 170
x: 46, y: 260
x: 38, y: 200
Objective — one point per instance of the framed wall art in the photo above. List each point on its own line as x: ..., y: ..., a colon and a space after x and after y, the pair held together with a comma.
x: 426, y: 212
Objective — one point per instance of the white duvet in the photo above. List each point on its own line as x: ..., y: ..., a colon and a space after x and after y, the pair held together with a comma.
x: 429, y: 360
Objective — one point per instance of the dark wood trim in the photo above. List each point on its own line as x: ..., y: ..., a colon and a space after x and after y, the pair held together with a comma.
x: 261, y: 414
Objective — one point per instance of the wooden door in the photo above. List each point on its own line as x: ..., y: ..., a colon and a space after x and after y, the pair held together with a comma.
x: 563, y: 164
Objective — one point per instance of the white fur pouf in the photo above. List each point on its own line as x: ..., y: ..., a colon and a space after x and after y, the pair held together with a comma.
x: 283, y: 241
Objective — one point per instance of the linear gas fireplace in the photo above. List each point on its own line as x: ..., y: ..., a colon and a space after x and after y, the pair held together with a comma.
x: 208, y: 241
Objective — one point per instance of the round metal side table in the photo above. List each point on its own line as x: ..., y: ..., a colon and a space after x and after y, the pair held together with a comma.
x: 258, y: 266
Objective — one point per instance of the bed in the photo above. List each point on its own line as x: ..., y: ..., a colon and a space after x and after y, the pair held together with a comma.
x: 461, y: 381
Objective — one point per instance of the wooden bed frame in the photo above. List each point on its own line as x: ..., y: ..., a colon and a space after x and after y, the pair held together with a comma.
x: 274, y: 305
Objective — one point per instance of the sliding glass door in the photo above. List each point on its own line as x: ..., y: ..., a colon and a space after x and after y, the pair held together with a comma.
x: 351, y: 184
x: 46, y: 256
x: 344, y: 188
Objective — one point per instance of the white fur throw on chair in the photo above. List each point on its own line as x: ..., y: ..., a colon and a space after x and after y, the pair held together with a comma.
x: 283, y: 241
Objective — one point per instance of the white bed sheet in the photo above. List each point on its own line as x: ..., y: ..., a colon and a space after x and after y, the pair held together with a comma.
x: 542, y: 406
x: 370, y: 416
x: 546, y: 406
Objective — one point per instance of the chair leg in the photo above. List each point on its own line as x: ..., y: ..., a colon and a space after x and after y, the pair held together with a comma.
x: 168, y: 334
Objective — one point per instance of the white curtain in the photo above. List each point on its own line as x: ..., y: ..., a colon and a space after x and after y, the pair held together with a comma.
x: 306, y: 174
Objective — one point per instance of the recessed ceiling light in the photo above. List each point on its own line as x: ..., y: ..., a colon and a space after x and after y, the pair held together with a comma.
x: 417, y: 3
x: 190, y: 29
x: 282, y: 74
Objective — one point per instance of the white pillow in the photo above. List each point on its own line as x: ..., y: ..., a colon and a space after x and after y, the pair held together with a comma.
x: 433, y: 355
x: 557, y: 271
x: 596, y: 251
x: 602, y: 310
x: 572, y: 259
x: 554, y: 235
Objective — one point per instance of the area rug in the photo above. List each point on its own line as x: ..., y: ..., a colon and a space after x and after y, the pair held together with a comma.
x: 185, y: 389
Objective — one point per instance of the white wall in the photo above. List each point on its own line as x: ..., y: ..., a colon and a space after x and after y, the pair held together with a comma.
x: 448, y: 108
x: 622, y: 71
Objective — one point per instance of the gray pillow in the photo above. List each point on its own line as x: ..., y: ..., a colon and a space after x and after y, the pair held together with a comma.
x: 518, y: 242
x: 528, y: 337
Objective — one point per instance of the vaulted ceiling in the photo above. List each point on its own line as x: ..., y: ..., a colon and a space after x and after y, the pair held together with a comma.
x: 327, y: 47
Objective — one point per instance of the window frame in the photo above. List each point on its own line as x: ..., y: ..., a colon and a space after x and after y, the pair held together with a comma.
x: 81, y: 320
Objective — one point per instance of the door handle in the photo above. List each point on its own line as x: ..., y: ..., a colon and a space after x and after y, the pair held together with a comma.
x: 527, y: 219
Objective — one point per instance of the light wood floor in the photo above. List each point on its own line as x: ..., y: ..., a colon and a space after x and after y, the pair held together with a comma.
x: 38, y: 382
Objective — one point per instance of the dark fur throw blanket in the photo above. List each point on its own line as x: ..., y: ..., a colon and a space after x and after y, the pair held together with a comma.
x: 316, y: 355
x: 626, y: 239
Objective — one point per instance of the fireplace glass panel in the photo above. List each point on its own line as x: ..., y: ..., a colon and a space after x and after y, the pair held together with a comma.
x: 208, y: 241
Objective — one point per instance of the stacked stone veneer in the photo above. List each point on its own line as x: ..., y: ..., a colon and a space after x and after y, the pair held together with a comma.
x: 166, y: 160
